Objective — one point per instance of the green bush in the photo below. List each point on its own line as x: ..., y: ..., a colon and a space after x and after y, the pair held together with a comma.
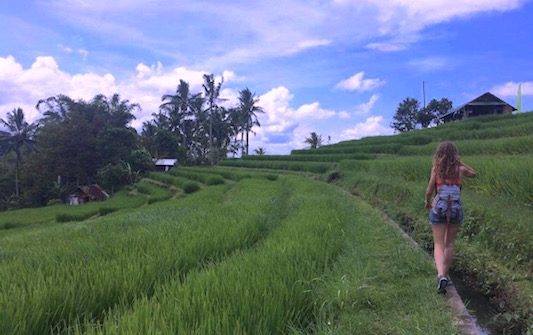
x: 191, y: 187
x: 215, y: 180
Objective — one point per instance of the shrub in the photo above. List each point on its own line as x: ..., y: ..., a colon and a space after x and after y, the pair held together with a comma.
x: 215, y: 180
x: 191, y: 187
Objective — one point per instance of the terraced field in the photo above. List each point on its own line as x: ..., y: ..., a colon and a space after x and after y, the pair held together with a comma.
x: 277, y: 245
x: 495, y: 248
x: 252, y: 253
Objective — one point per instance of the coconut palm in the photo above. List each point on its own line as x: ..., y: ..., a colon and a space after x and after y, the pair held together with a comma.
x: 314, y: 140
x: 20, y: 136
x: 248, y: 111
x: 211, y: 94
x: 178, y: 107
x: 260, y: 151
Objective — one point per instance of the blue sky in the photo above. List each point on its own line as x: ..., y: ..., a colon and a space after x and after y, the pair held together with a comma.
x: 336, y: 67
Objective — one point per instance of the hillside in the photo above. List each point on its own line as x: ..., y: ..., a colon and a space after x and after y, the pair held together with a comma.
x: 264, y: 245
x: 240, y: 252
x: 495, y: 247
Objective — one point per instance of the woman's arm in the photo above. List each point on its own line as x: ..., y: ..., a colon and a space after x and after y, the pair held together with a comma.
x: 466, y: 170
x: 430, y: 190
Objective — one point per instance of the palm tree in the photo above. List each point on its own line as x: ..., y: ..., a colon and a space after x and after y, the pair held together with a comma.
x: 20, y: 135
x: 260, y: 151
x: 180, y: 110
x: 211, y: 92
x: 55, y: 108
x: 248, y: 109
x: 121, y: 111
x: 314, y: 140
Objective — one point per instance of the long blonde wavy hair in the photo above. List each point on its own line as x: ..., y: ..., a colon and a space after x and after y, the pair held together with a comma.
x: 446, y: 161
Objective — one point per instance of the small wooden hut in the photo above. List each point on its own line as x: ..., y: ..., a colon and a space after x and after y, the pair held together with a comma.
x: 88, y: 193
x: 485, y: 104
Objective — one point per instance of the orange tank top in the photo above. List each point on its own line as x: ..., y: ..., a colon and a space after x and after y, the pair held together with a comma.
x: 439, y: 181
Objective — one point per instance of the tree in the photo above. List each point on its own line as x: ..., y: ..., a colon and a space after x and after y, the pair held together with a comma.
x: 76, y: 140
x: 314, y: 140
x: 179, y: 109
x: 437, y: 108
x: 211, y: 94
x: 260, y: 151
x: 406, y: 117
x: 20, y: 136
x: 248, y: 110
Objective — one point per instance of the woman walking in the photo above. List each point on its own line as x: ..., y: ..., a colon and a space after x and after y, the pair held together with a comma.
x: 446, y: 211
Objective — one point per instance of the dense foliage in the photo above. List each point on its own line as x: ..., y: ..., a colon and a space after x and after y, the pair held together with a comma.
x: 78, y: 142
x: 410, y: 116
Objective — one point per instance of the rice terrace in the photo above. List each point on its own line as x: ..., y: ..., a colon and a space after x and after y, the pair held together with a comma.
x: 294, y: 244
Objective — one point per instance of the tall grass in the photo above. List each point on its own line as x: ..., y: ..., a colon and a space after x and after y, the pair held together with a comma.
x: 506, y: 146
x: 50, y: 278
x: 315, y: 167
x: 185, y: 184
x: 64, y: 213
x: 494, y: 246
x: 200, y: 176
x: 269, y: 290
x: 311, y: 157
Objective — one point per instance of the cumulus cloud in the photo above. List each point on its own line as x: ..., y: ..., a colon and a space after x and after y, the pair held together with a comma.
x: 283, y: 126
x: 366, y: 107
x: 25, y: 87
x: 510, y: 89
x: 372, y: 126
x: 358, y: 83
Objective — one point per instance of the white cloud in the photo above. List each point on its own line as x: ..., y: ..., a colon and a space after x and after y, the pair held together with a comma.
x: 308, y: 44
x: 313, y: 111
x: 430, y: 64
x: 389, y: 46
x: 510, y: 89
x: 344, y: 115
x: 82, y: 52
x: 283, y: 126
x: 263, y: 30
x: 366, y: 107
x: 401, y: 21
x: 372, y: 126
x: 65, y: 48
x: 25, y: 87
x: 359, y: 84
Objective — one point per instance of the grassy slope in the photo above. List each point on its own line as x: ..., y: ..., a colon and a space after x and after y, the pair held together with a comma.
x: 495, y: 248
x: 258, y: 255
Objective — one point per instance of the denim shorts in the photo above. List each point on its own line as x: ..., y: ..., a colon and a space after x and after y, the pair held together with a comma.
x: 435, y: 218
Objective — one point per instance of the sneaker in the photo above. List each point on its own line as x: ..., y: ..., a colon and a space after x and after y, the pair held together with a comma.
x: 442, y: 282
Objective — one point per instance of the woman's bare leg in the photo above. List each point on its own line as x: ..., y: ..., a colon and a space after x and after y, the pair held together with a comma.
x: 439, y: 240
x: 449, y: 246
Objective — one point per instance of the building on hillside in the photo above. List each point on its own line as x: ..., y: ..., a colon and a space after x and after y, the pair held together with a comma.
x: 485, y: 104
x: 88, y: 193
x: 165, y: 164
